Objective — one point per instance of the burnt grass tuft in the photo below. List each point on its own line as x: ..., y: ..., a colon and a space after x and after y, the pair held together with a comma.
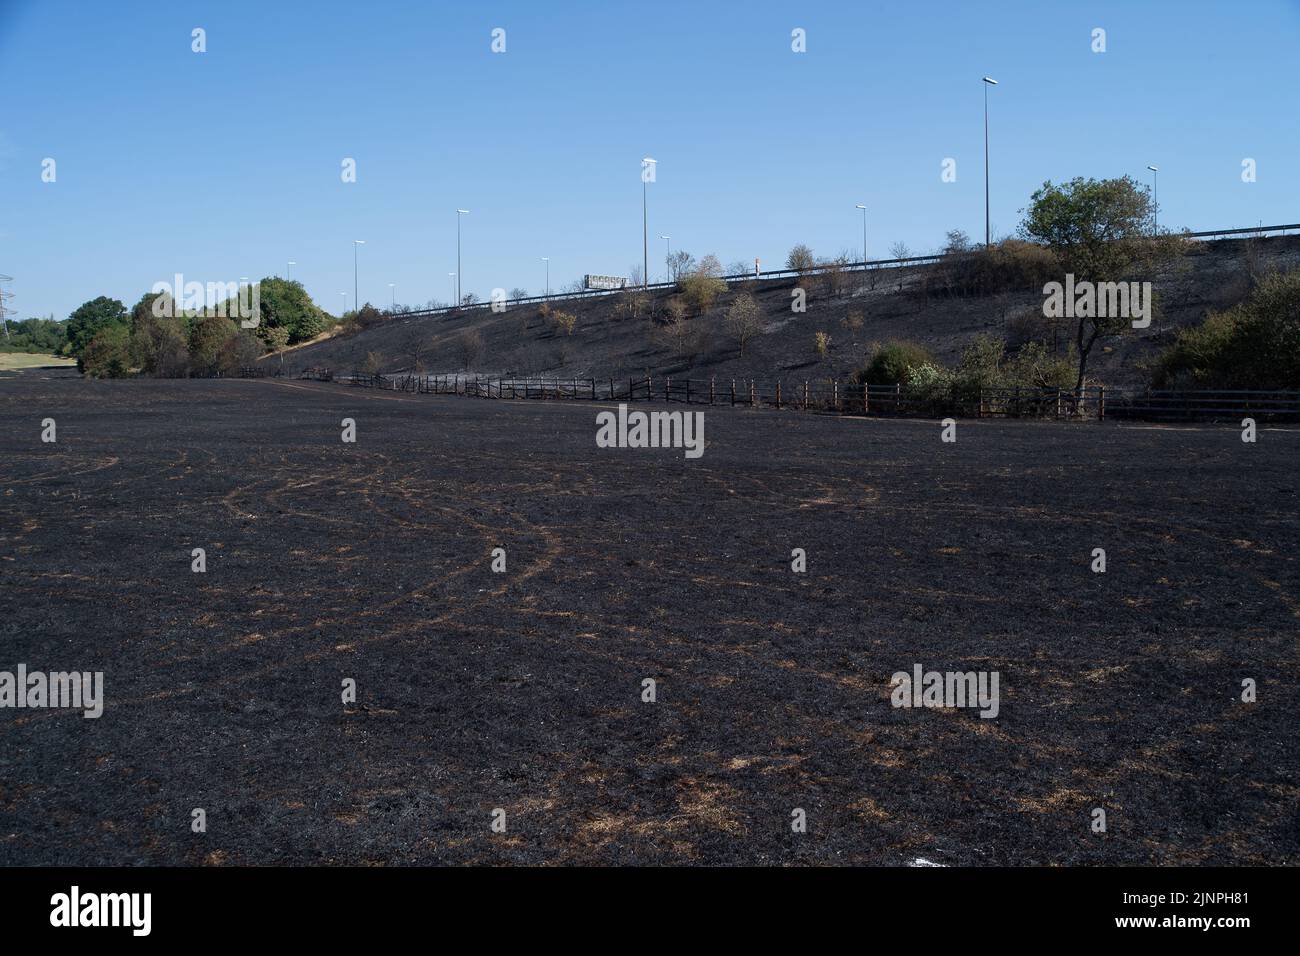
x: 522, y: 690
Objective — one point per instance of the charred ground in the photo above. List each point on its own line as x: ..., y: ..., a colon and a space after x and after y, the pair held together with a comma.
x: 522, y: 690
x: 889, y: 304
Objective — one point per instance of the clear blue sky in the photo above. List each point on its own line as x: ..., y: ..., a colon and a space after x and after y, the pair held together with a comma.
x: 226, y: 164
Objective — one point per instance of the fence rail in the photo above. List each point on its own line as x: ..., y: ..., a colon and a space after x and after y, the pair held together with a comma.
x: 1093, y: 402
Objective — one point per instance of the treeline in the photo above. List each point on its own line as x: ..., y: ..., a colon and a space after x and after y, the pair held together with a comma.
x: 35, y: 336
x: 159, y: 338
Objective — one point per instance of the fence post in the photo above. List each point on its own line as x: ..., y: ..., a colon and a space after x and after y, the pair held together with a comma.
x: 805, y: 396
x: 1101, y: 402
x: 835, y: 394
x: 866, y: 407
x: 649, y: 389
x: 733, y: 393
x: 778, y: 393
x: 898, y: 395
x: 713, y: 382
x: 752, y: 396
x: 688, y: 391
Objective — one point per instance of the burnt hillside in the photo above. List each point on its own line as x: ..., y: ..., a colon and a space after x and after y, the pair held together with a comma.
x: 612, y: 338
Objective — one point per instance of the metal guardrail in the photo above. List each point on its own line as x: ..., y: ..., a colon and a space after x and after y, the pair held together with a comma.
x: 773, y: 274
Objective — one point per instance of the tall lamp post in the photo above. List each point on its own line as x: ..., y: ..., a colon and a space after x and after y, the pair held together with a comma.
x: 988, y: 81
x: 1155, y: 198
x: 356, y: 299
x: 392, y: 301
x: 668, y: 256
x: 647, y: 170
x: 345, y: 302
x: 452, y: 277
x: 864, y: 232
x: 288, y: 273
x: 547, y: 260
x: 459, y: 213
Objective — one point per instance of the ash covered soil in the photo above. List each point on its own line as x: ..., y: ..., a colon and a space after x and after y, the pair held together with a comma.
x: 522, y: 690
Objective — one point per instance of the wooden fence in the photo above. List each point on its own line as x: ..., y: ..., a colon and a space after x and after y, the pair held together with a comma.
x: 1094, y: 402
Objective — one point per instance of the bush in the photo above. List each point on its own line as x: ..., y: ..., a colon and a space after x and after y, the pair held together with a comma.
x: 744, y: 320
x: 1012, y: 265
x: 1254, y: 345
x: 107, y: 354
x: 894, y: 363
x: 208, y: 336
x: 822, y: 342
x: 159, y: 347
x: 564, y: 321
x: 700, y: 290
x: 800, y: 259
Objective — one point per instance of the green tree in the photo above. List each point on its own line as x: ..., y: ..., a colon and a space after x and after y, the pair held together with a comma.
x: 208, y: 336
x: 159, y: 346
x: 107, y: 354
x: 87, y: 321
x: 1099, y: 231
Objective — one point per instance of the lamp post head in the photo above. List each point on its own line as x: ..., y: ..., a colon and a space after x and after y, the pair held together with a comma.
x: 358, y: 242
x: 461, y: 212
x: 1154, y: 169
x: 860, y: 206
x: 990, y: 81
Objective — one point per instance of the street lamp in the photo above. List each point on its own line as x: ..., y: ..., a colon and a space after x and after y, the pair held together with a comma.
x: 668, y: 255
x: 1155, y: 197
x: 452, y: 276
x: 988, y: 81
x: 547, y: 260
x: 646, y: 164
x: 864, y: 232
x: 288, y: 273
x: 345, y: 302
x: 392, y: 302
x: 355, y: 242
x: 459, y: 213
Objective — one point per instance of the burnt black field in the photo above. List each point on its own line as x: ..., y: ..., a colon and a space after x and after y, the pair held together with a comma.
x: 522, y: 690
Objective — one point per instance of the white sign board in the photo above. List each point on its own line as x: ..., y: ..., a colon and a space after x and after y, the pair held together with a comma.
x: 604, y: 282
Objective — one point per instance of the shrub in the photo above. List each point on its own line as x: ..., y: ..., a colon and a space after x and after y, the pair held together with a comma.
x: 1254, y: 345
x: 207, y: 337
x: 894, y: 362
x: 469, y: 346
x: 700, y: 290
x: 822, y: 342
x: 107, y: 354
x: 800, y: 259
x: 1034, y: 366
x: 743, y: 320
x: 159, y: 347
x: 564, y: 321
